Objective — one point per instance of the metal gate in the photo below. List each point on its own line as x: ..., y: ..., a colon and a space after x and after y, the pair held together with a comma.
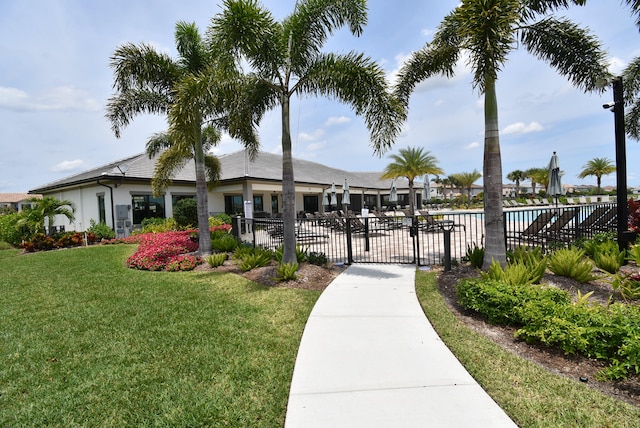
x: 389, y: 239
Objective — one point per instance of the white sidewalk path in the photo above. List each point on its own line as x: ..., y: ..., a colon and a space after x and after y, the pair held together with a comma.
x: 370, y: 358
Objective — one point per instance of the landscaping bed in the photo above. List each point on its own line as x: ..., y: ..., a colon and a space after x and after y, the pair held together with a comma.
x: 576, y: 367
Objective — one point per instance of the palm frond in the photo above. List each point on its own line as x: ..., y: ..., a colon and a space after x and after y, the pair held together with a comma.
x: 157, y: 143
x: 631, y: 83
x: 571, y: 50
x: 193, y: 53
x: 141, y: 66
x: 358, y: 81
x: 169, y: 163
x: 246, y: 29
x: 124, y: 106
x: 314, y: 20
x: 214, y: 170
x: 437, y: 58
x: 542, y: 7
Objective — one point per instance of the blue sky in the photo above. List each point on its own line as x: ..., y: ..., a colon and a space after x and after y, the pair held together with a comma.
x: 55, y: 81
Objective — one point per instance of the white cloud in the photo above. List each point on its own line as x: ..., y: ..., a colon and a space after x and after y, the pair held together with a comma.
x: 55, y: 99
x: 427, y: 32
x: 303, y: 136
x: 316, y: 146
x: 68, y: 165
x: 337, y: 120
x: 472, y: 146
x: 522, y: 128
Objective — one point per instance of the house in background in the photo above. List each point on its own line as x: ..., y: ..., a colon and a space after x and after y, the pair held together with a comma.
x: 119, y: 193
x: 16, y: 201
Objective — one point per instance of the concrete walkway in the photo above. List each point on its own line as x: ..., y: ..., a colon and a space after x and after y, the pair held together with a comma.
x: 369, y: 358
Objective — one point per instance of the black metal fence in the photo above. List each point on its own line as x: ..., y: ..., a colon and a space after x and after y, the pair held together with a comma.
x: 428, y: 239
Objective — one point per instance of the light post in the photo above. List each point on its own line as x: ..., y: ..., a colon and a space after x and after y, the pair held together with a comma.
x: 617, y: 107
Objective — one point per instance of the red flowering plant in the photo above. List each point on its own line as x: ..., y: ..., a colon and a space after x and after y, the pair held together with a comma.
x: 157, y: 251
x: 634, y: 215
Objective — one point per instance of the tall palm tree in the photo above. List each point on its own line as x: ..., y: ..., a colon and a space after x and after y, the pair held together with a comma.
x: 597, y: 167
x: 285, y: 59
x: 631, y: 83
x: 411, y: 163
x: 466, y: 180
x: 516, y: 176
x: 538, y: 176
x: 147, y: 81
x: 488, y: 30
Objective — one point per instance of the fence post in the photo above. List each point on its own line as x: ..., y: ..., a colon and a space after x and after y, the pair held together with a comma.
x: 349, y: 249
x: 447, y: 249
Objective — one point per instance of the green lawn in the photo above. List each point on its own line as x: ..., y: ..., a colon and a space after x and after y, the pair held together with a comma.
x: 87, y: 342
x: 530, y: 394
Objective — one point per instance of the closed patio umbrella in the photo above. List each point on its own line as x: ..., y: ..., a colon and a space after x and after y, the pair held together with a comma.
x: 393, y: 195
x: 346, y: 199
x: 555, y: 185
x: 426, y: 190
x: 325, y: 197
x: 334, y: 199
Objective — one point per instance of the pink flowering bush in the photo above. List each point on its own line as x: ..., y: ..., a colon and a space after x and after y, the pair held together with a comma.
x: 157, y: 251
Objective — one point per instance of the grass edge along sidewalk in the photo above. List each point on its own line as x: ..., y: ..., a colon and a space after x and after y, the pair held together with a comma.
x: 530, y: 394
x: 86, y: 341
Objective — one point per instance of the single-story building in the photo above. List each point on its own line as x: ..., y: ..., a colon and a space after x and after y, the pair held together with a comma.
x: 17, y: 201
x: 119, y: 193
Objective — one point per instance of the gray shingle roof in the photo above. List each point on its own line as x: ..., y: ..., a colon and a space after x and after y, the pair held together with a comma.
x: 235, y: 166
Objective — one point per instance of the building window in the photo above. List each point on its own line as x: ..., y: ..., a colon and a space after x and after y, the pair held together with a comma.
x: 176, y: 198
x: 258, y: 204
x: 233, y: 205
x: 371, y: 201
x: 102, y: 214
x: 147, y: 206
x: 310, y: 203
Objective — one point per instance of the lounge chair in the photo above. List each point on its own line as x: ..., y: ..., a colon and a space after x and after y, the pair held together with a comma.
x: 556, y: 231
x: 428, y: 223
x: 571, y: 201
x: 582, y: 200
x: 532, y: 232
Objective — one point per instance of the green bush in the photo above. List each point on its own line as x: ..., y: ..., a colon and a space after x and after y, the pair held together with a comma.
x: 157, y: 225
x: 224, y: 243
x: 11, y: 230
x: 318, y: 259
x: 606, y: 255
x: 286, y: 271
x: 525, y: 271
x: 572, y: 263
x: 219, y: 219
x: 101, y: 230
x: 634, y: 254
x: 627, y: 285
x: 217, y: 259
x: 501, y: 302
x: 185, y: 213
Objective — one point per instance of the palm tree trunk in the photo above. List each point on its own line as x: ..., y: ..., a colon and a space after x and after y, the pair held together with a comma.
x: 202, y: 199
x: 412, y: 196
x: 288, y: 187
x: 492, y: 170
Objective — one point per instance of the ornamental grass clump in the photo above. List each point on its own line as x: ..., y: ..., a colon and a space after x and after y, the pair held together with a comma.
x: 286, y: 271
x: 217, y: 259
x: 157, y: 250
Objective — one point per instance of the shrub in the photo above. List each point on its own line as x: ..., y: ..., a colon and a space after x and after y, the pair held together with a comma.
x: 608, y: 256
x: 183, y: 263
x: 11, y: 230
x: 224, y: 243
x: 572, y: 263
x: 318, y: 259
x: 157, y: 250
x: 219, y: 219
x: 628, y: 285
x: 157, y: 225
x: 254, y: 260
x: 301, y: 254
x: 501, y: 302
x: 215, y: 260
x: 634, y: 215
x: 475, y: 255
x: 634, y: 254
x: 101, y: 230
x: 185, y: 213
x: 524, y: 271
x: 286, y: 271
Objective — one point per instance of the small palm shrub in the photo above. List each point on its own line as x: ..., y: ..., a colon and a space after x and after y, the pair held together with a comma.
x: 634, y: 254
x: 318, y: 259
x: 217, y: 259
x: 627, y: 285
x: 301, y: 254
x: 475, y: 255
x: 254, y: 260
x: 572, y: 263
x: 224, y: 243
x: 608, y: 256
x: 286, y: 271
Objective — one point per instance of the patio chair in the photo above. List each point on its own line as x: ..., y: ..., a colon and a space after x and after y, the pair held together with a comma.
x: 530, y: 202
x: 594, y: 221
x: 582, y: 200
x: 428, y: 223
x: 556, y: 231
x: 571, y: 201
x: 532, y: 232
